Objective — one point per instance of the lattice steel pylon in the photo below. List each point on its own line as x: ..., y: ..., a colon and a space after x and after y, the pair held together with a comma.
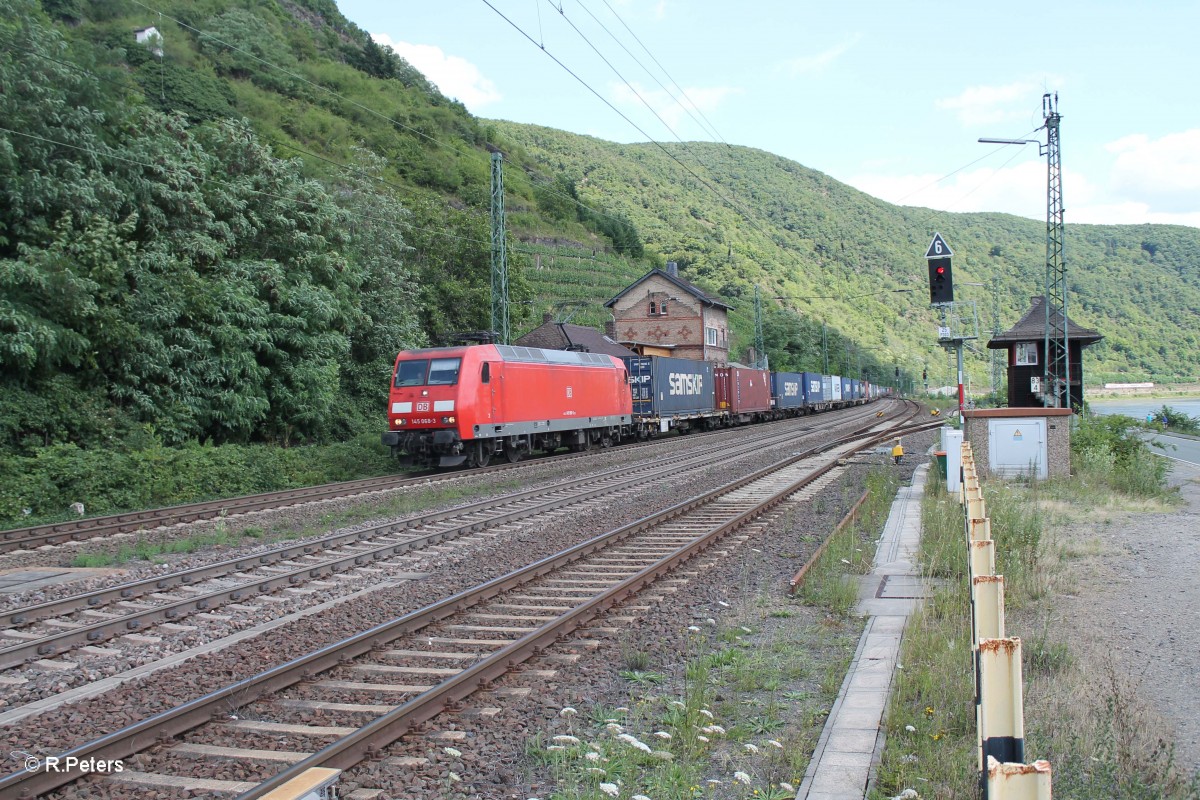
x: 1057, y: 374
x: 760, y: 346
x: 499, y: 253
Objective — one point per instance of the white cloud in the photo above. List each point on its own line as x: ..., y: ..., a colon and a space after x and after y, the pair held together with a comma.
x: 454, y: 76
x: 819, y: 61
x: 1020, y: 190
x: 674, y: 110
x: 1163, y: 173
x: 990, y: 105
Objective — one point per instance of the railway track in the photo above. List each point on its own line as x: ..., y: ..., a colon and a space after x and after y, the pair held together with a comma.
x: 405, y: 672
x: 52, y: 628
x: 83, y: 529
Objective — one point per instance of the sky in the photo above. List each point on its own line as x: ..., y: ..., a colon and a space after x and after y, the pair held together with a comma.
x: 888, y: 97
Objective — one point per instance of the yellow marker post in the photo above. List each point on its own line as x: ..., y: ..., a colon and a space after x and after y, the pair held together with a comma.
x: 1018, y: 781
x: 1002, y: 697
x: 980, y: 529
x: 983, y: 558
x: 987, y: 592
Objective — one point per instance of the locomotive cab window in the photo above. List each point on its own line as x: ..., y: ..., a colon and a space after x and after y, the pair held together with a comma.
x: 444, y: 371
x: 411, y: 373
x: 485, y: 373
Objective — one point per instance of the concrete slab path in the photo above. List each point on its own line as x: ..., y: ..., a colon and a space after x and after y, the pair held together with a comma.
x: 841, y: 765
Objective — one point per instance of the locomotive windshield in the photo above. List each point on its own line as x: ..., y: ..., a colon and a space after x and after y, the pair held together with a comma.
x: 438, y: 372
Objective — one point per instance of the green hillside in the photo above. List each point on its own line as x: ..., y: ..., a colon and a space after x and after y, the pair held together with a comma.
x: 227, y: 239
x: 839, y: 256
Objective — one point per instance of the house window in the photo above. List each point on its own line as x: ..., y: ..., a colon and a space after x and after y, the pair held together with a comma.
x: 653, y: 308
x: 662, y: 308
x: 1026, y: 354
x: 710, y: 337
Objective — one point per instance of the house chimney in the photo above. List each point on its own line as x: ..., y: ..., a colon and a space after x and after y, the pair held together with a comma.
x: 547, y: 317
x: 610, y: 329
x: 672, y: 269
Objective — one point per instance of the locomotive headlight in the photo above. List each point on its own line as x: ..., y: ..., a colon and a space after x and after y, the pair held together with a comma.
x: 447, y: 420
x: 399, y: 421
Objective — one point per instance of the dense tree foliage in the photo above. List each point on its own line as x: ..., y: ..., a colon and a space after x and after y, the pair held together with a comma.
x: 176, y: 275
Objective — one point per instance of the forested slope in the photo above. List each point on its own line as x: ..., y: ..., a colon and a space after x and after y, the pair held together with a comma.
x: 227, y: 239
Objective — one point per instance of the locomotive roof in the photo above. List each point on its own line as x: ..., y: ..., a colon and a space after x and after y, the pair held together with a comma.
x: 534, y: 355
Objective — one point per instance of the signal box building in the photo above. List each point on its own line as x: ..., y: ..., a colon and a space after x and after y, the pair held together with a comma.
x: 1026, y: 346
x: 1028, y: 437
x: 662, y: 312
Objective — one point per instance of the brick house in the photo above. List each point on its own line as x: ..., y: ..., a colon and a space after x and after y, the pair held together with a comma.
x: 660, y: 309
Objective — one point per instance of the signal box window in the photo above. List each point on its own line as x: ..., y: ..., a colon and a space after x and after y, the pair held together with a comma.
x: 662, y: 308
x: 444, y: 371
x: 1026, y: 354
x: 411, y: 373
x: 710, y: 336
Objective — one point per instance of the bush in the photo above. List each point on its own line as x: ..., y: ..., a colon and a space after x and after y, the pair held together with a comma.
x: 107, y: 482
x: 1107, y: 450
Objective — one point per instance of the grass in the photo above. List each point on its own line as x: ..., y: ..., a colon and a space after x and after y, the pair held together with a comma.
x: 1101, y: 738
x: 150, y: 547
x: 741, y: 714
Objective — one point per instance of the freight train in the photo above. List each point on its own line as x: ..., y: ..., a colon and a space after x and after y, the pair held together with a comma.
x: 450, y: 406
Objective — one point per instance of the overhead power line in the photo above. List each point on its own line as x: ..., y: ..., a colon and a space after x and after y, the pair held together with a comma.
x: 625, y: 117
x: 710, y: 126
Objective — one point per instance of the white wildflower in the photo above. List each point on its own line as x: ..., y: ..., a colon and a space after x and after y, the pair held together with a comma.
x: 694, y: 628
x: 622, y: 710
x: 556, y: 748
x: 774, y: 743
x: 663, y: 755
x: 639, y: 797
x: 634, y: 742
x: 613, y: 727
x: 706, y: 713
x: 592, y: 756
x: 566, y: 739
x: 676, y: 704
x: 711, y: 621
x: 454, y: 777
x: 609, y: 789
x: 744, y: 629
x: 702, y: 739
x: 717, y: 729
x: 594, y: 746
x: 596, y: 771
x: 787, y: 787
x: 845, y: 561
x: 568, y: 712
x: 750, y: 748
x: 713, y: 782
x: 907, y: 794
x: 663, y: 735
x: 453, y: 752
x: 741, y: 777
x: 910, y: 728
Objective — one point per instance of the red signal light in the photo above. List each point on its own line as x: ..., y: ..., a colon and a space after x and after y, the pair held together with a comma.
x: 941, y: 271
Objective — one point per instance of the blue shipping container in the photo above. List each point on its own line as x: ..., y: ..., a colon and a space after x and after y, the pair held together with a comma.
x: 665, y: 387
x: 847, y: 389
x: 856, y: 390
x: 787, y: 389
x: 813, y: 393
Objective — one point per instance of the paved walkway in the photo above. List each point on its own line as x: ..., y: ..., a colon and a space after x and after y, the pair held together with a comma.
x: 841, y: 765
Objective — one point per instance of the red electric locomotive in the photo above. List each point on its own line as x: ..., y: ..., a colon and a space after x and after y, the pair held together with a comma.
x: 454, y: 405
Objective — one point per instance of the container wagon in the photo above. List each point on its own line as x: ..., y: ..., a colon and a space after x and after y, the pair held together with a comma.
x: 743, y: 394
x: 787, y: 393
x: 672, y: 393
